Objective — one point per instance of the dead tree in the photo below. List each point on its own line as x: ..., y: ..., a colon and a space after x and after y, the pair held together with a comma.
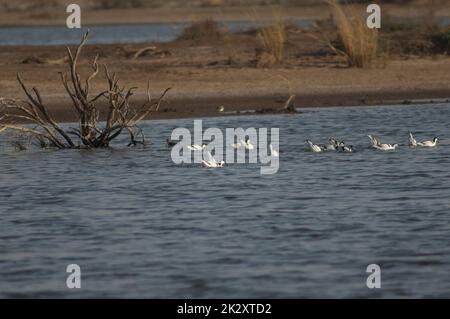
x: 91, y: 132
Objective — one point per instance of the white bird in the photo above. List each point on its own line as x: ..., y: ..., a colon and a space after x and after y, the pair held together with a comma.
x: 373, y: 140
x: 313, y: 147
x: 414, y: 143
x: 412, y: 140
x: 386, y: 147
x: 236, y: 146
x: 432, y: 143
x: 333, y: 142
x: 196, y: 147
x: 273, y: 152
x: 248, y: 145
x: 327, y: 148
x: 211, y: 162
x: 375, y: 143
x: 333, y: 146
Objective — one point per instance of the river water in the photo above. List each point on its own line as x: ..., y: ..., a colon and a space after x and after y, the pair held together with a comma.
x: 137, y: 33
x: 140, y: 226
x: 114, y: 34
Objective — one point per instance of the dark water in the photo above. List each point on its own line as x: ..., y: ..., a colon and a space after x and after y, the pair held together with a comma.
x: 141, y: 226
x: 111, y: 34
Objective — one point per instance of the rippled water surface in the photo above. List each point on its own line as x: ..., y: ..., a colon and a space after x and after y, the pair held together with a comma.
x: 141, y: 226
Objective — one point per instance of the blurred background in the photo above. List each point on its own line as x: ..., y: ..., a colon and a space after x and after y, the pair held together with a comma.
x: 107, y: 4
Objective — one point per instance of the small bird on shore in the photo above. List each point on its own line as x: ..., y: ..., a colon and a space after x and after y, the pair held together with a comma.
x: 414, y: 143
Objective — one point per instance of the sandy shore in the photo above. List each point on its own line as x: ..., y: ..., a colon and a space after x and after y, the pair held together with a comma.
x: 206, y: 74
x: 198, y: 94
x: 201, y: 81
x: 176, y: 107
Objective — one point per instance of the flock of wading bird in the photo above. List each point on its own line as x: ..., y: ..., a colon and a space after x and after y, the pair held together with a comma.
x: 209, y: 160
x: 333, y: 146
x: 336, y: 146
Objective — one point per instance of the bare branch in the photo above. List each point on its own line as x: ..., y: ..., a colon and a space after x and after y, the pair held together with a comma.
x: 91, y: 133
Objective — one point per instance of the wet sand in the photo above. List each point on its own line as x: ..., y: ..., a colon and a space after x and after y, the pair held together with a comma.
x: 199, y: 88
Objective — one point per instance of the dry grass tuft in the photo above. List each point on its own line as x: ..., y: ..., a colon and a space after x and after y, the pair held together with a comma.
x: 359, y: 43
x: 273, y: 40
x: 440, y: 38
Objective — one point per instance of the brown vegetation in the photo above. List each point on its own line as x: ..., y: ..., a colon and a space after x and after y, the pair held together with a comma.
x: 91, y: 133
x: 207, y: 29
x: 220, y: 69
x: 272, y: 39
x: 359, y: 43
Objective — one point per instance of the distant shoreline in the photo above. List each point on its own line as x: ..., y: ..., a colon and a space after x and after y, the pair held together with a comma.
x: 161, y: 15
x: 51, y: 17
x: 202, y: 107
x: 210, y: 72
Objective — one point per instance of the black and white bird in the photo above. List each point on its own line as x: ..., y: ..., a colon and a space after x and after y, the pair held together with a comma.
x: 375, y: 143
x: 210, y: 162
x: 345, y: 148
x: 170, y: 143
x: 313, y: 147
x: 413, y: 142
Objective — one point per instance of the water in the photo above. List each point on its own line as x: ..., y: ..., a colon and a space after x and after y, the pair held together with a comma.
x: 138, y: 33
x: 141, y: 226
x: 113, y: 34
